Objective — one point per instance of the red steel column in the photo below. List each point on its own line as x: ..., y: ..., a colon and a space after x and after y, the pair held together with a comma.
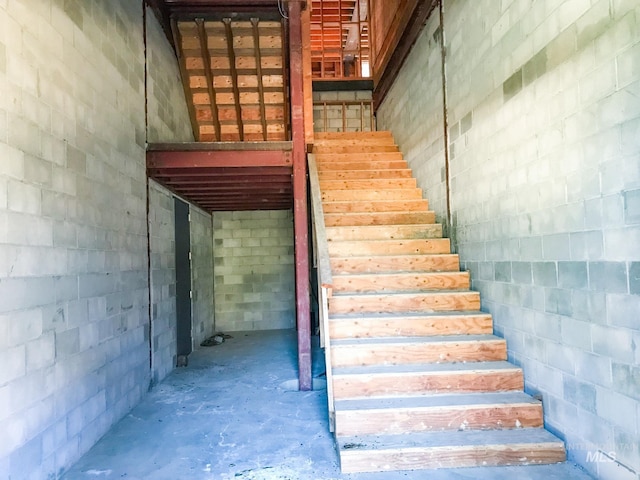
x: 300, y: 215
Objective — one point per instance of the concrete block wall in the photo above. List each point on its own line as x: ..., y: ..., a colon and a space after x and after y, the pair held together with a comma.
x: 203, y: 321
x: 74, y: 344
x: 163, y: 281
x: 544, y: 118
x: 330, y: 118
x: 168, y: 116
x: 74, y: 314
x: 254, y: 270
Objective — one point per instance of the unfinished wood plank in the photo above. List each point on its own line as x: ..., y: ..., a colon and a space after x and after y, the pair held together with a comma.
x: 383, y: 232
x: 401, y: 351
x: 376, y: 206
x: 202, y: 36
x: 433, y: 413
x: 379, y: 218
x: 357, y: 163
x: 400, y: 282
x: 395, y: 194
x: 404, y: 302
x: 369, y: 381
x: 389, y: 247
x: 364, y: 174
x: 460, y: 449
x: 440, y: 323
x: 369, y: 184
x: 395, y: 263
x: 359, y: 149
x: 353, y: 135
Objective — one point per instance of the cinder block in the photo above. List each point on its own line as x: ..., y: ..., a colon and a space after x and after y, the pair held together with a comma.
x: 595, y: 369
x: 67, y: 342
x: 41, y: 353
x: 610, y: 277
x: 576, y: 333
x: 572, y: 275
x: 622, y: 310
x: 556, y: 247
x: 545, y: 274
x: 558, y: 301
x: 627, y: 378
x: 589, y: 306
x: 579, y: 393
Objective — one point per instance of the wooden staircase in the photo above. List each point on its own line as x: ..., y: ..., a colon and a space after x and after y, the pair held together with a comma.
x: 418, y: 379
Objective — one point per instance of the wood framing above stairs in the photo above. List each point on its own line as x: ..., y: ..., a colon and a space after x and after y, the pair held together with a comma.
x: 419, y: 380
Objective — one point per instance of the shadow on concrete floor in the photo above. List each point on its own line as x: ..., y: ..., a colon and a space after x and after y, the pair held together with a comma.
x: 235, y: 413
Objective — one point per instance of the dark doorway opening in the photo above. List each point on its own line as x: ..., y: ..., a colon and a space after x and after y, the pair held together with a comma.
x: 183, y: 280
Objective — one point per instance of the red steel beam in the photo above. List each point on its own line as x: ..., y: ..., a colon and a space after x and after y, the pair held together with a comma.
x: 218, y: 158
x: 218, y: 172
x: 300, y: 216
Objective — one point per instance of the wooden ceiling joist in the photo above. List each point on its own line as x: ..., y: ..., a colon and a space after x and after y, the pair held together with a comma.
x: 204, y: 48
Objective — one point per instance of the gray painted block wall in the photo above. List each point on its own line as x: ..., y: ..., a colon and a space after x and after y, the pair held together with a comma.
x: 74, y: 299
x: 544, y: 142
x: 254, y: 270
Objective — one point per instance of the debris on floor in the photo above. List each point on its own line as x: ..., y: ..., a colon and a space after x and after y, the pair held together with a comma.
x: 215, y: 339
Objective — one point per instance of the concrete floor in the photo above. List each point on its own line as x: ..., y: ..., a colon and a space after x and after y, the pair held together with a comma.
x: 234, y: 413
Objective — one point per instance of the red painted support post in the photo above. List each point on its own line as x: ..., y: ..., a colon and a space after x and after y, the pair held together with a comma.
x: 300, y: 216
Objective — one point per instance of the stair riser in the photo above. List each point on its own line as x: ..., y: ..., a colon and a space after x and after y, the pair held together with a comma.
x: 355, y: 355
x: 356, y: 386
x: 390, y: 247
x: 409, y: 263
x: 357, y: 149
x: 444, y: 302
x: 330, y: 175
x: 352, y: 135
x: 368, y: 184
x: 400, y: 283
x: 394, y: 195
x: 381, y: 162
x: 378, y: 218
x: 353, y: 461
x: 384, y: 232
x: 466, y: 417
x: 320, y: 144
x: 379, y: 206
x: 408, y: 327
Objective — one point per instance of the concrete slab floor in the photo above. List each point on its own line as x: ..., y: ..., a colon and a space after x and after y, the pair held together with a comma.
x: 234, y: 413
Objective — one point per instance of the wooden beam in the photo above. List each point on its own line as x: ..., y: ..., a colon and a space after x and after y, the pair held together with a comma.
x: 209, y: 159
x: 300, y: 214
x: 206, y: 58
x: 184, y: 74
x: 234, y: 75
x: 256, y: 46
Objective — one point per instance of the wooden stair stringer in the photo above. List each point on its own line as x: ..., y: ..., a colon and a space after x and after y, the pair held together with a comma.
x: 419, y: 381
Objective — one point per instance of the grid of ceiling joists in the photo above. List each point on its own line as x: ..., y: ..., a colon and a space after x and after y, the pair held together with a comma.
x: 235, y: 77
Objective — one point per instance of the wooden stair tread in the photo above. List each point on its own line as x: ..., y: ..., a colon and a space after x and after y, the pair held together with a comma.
x: 373, y: 232
x: 460, y: 400
x: 360, y: 174
x: 381, y: 316
x: 427, y: 368
x: 414, y: 340
x: 451, y: 439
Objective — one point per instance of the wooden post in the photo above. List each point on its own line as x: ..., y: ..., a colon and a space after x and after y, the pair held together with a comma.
x: 300, y: 216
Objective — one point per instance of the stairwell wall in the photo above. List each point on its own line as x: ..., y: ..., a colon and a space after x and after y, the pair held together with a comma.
x: 544, y: 146
x: 74, y: 299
